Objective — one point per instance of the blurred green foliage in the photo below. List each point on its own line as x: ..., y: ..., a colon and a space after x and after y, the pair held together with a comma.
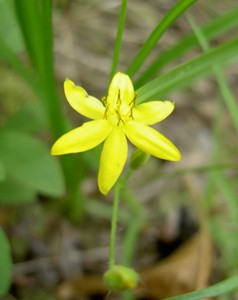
x: 26, y: 168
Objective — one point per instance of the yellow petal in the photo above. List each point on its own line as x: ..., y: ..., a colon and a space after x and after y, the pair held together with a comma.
x: 84, y: 104
x: 112, y: 160
x: 152, y: 112
x: 121, y: 88
x: 83, y: 138
x: 151, y: 141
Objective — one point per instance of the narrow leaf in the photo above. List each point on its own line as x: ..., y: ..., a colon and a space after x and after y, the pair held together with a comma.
x: 5, y: 264
x: 218, y: 289
x: 217, y: 26
x: 188, y: 72
x: 9, y: 31
x: 223, y: 85
x: 28, y: 13
x: 157, y: 33
x: 225, y: 187
x: 2, y: 171
x: 8, y: 54
x: 120, y: 27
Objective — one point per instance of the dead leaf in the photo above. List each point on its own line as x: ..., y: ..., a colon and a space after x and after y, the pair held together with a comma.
x: 186, y: 270
x: 81, y: 287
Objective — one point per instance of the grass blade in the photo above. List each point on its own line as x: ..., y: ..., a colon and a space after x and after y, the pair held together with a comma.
x: 220, y: 288
x: 28, y: 13
x: 2, y: 171
x: 214, y: 28
x: 5, y: 264
x: 187, y: 72
x: 12, y: 58
x: 118, y: 42
x: 226, y: 188
x: 35, y: 19
x: 157, y: 33
x: 224, y: 87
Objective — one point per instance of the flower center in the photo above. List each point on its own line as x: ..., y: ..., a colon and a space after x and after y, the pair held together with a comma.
x: 118, y: 111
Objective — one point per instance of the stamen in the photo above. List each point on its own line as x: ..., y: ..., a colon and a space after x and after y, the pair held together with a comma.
x: 133, y: 101
x: 104, y: 100
x: 119, y: 98
x: 120, y: 119
x: 105, y: 113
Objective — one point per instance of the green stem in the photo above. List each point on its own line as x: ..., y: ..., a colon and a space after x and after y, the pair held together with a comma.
x: 134, y: 227
x: 127, y: 295
x: 118, y: 41
x: 114, y: 225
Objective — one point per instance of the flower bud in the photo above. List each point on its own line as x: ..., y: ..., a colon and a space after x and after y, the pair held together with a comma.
x: 120, y: 278
x: 138, y: 159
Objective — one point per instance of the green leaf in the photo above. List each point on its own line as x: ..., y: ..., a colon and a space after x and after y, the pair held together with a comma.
x: 11, y: 42
x: 5, y: 264
x: 157, y: 33
x: 188, y: 72
x: 217, y: 26
x: 120, y: 27
x: 2, y: 171
x: 226, y: 92
x: 225, y: 186
x: 28, y: 160
x: 7, y: 53
x: 14, y: 192
x: 29, y: 111
x: 35, y: 21
x: 9, y: 31
x: 29, y: 13
x: 218, y: 289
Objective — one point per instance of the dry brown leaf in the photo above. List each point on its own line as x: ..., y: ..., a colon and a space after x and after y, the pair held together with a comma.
x: 81, y: 287
x: 187, y: 269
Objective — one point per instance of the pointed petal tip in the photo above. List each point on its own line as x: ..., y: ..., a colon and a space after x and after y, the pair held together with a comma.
x: 68, y: 84
x: 103, y: 190
x: 151, y: 141
x: 55, y: 151
x: 152, y: 112
x: 67, y: 80
x: 103, y: 186
x: 121, y: 82
x: 176, y: 155
x: 52, y: 152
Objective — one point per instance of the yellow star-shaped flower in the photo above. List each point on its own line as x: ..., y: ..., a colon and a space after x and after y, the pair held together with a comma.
x: 115, y: 118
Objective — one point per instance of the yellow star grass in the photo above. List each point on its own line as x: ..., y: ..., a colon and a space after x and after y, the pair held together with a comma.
x: 115, y: 118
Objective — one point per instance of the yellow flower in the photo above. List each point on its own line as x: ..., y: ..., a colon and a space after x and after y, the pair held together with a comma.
x: 115, y: 118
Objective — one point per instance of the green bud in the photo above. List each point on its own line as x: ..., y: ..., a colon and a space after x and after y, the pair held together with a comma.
x: 120, y: 278
x: 138, y: 159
